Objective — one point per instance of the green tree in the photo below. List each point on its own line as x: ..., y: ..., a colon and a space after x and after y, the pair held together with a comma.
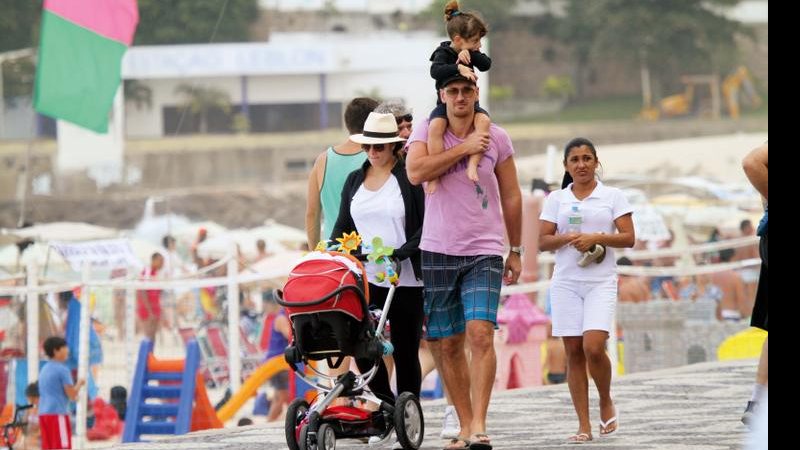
x: 19, y: 24
x: 138, y: 93
x: 193, y: 21
x: 667, y: 39
x: 19, y: 29
x: 576, y: 29
x: 497, y: 13
x: 663, y: 39
x: 201, y: 100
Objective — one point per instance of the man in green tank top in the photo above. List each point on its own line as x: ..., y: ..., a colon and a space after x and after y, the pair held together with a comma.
x: 330, y: 171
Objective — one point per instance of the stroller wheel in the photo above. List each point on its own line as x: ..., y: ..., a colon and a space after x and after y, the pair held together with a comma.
x: 408, y: 421
x: 303, y: 441
x: 326, y: 437
x: 294, y: 417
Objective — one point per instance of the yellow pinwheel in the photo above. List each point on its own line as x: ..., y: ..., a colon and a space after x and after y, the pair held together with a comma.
x: 349, y: 242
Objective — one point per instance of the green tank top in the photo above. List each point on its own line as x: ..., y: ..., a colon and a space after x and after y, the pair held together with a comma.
x: 337, y: 168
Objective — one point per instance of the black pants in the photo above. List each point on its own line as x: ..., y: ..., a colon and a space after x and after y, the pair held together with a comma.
x: 406, y: 317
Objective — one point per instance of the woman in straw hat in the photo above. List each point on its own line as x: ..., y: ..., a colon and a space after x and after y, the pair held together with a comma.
x: 379, y: 201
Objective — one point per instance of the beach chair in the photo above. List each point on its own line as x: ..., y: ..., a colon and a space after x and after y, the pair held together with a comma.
x: 213, y: 368
x: 252, y: 356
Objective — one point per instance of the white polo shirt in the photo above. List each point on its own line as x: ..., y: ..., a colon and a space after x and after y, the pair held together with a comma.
x: 599, y: 210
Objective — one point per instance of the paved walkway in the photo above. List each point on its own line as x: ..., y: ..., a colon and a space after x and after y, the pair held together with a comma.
x: 692, y: 407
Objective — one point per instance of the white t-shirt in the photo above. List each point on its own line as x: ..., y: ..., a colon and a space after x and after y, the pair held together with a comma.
x: 599, y: 211
x: 382, y: 213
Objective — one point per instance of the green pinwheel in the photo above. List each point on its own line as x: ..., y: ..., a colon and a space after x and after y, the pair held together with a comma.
x: 379, y: 250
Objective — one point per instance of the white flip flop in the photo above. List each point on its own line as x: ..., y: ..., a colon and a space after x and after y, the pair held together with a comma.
x: 604, y: 425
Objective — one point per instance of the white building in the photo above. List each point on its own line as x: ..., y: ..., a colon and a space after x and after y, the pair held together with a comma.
x: 296, y: 81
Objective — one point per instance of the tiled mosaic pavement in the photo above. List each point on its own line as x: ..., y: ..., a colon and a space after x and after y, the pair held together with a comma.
x: 694, y: 407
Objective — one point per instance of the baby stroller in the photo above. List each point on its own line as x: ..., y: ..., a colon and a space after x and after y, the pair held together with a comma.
x: 326, y: 299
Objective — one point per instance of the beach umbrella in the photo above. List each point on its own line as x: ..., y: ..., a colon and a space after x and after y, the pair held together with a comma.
x: 279, y: 264
x: 65, y: 231
x: 290, y: 237
x: 218, y: 246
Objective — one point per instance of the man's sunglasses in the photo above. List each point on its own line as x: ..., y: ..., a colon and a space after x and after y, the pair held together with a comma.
x: 407, y: 118
x: 467, y: 91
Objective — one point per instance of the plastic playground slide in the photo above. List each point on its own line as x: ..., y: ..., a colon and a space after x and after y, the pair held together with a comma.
x: 251, y: 385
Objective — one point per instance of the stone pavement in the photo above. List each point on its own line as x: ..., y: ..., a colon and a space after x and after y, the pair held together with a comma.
x: 691, y: 407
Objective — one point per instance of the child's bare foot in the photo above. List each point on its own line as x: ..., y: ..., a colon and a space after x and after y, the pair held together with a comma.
x: 431, y: 186
x: 472, y: 173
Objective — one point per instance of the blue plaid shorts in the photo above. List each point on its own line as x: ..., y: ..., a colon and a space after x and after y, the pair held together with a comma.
x: 459, y: 289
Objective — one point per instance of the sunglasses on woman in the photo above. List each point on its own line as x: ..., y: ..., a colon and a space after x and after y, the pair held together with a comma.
x: 376, y: 147
x: 406, y: 118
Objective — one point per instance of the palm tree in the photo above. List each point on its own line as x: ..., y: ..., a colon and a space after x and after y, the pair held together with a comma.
x: 138, y: 93
x: 200, y: 100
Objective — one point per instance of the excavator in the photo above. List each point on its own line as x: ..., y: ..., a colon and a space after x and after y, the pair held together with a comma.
x: 739, y: 79
x: 684, y: 103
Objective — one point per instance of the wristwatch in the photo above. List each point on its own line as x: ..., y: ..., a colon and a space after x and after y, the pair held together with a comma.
x: 518, y: 249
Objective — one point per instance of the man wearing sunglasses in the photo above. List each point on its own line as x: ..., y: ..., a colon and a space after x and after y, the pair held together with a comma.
x: 463, y: 247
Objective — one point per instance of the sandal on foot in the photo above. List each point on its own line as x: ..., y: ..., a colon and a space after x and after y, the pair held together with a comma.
x: 454, y: 444
x: 480, y: 441
x: 579, y: 438
x: 604, y: 425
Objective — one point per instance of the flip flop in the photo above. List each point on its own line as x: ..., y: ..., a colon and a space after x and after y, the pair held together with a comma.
x: 480, y: 441
x: 579, y: 438
x: 606, y: 424
x: 454, y: 441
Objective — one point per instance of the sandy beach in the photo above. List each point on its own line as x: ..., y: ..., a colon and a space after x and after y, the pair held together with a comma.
x: 716, y: 158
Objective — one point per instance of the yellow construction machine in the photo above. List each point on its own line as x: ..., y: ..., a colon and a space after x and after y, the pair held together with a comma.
x: 685, y: 103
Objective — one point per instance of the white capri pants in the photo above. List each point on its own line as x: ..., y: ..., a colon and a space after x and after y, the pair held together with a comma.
x: 579, y: 306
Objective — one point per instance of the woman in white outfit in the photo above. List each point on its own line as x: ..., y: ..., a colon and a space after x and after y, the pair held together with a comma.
x: 573, y: 220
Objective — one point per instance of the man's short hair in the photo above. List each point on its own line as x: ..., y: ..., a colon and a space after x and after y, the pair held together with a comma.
x: 53, y: 344
x: 356, y: 113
